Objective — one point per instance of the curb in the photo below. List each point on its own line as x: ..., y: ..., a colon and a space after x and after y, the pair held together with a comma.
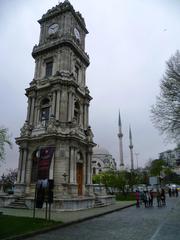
x: 31, y: 234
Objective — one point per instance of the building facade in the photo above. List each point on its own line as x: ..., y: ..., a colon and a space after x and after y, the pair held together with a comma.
x: 56, y: 140
x: 171, y: 157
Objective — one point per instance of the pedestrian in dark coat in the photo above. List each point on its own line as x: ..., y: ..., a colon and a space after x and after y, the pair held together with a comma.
x: 151, y: 198
x: 169, y: 191
x: 176, y: 191
x: 163, y: 197
x: 158, y: 196
x: 145, y: 199
x: 137, y: 198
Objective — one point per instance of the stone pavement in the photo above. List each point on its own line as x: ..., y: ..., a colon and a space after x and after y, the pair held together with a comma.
x: 129, y: 224
x: 68, y: 217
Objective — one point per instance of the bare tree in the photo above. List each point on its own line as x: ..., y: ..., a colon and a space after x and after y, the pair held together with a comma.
x: 4, y: 139
x: 166, y: 111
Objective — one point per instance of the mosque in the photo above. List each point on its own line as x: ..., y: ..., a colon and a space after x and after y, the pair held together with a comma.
x: 102, y: 161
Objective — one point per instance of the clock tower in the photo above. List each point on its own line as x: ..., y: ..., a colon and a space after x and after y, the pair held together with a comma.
x: 56, y: 140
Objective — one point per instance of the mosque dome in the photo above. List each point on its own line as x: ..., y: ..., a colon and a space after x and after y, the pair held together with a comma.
x: 100, y: 151
x: 102, y: 160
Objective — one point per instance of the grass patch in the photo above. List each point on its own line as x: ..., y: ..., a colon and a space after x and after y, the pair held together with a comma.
x: 12, y: 226
x: 125, y: 197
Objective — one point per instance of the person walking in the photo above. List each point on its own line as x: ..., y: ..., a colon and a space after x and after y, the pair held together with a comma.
x: 151, y: 198
x: 145, y: 199
x: 148, y: 198
x: 163, y: 197
x: 158, y: 197
x: 176, y: 191
x: 170, y: 192
x: 137, y: 199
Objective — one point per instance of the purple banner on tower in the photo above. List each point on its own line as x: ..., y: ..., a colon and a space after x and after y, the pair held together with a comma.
x: 44, y: 163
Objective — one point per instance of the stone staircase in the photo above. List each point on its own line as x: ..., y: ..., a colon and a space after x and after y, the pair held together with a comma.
x: 18, y: 203
x: 98, y: 203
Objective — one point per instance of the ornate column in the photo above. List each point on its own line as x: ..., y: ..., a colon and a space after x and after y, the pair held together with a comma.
x: 28, y: 109
x: 37, y: 69
x: 53, y: 104
x: 86, y: 115
x: 90, y: 162
x: 19, y: 165
x: 58, y: 105
x: 38, y: 113
x: 75, y: 157
x: 71, y: 165
x: 24, y: 161
x: 35, y: 115
x: 72, y: 110
x: 70, y: 107
x: 88, y: 168
x: 32, y: 110
x: 28, y: 169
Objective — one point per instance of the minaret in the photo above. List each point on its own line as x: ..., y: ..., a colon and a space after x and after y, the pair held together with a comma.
x: 131, y: 148
x: 120, y: 136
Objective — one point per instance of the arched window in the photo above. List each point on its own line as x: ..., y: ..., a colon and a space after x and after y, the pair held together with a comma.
x: 99, y: 167
x: 45, y: 106
x: 77, y: 112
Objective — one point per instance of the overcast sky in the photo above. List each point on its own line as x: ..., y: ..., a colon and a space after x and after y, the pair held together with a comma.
x: 128, y: 44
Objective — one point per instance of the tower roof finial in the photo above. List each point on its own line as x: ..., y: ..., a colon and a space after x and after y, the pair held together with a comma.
x: 119, y: 120
x: 130, y: 134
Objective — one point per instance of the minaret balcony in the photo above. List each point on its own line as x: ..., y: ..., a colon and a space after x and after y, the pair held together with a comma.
x: 120, y: 135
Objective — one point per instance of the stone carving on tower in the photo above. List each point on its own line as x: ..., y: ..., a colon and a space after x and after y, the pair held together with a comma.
x: 57, y: 124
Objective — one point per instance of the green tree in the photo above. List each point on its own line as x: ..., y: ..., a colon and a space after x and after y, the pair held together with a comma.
x: 4, y: 139
x: 9, y: 179
x: 107, y: 178
x: 121, y: 181
x: 167, y: 171
x: 166, y: 111
x: 156, y: 167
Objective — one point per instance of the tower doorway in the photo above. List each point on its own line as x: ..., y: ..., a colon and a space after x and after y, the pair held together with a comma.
x: 79, y: 177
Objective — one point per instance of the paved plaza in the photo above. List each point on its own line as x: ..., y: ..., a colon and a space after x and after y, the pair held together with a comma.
x: 128, y: 224
x: 68, y: 217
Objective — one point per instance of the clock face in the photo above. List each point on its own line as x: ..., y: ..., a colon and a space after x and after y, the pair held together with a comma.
x: 53, y: 29
x: 77, y: 34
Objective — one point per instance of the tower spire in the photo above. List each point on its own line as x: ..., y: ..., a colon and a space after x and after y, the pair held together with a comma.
x: 120, y: 136
x: 131, y: 148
